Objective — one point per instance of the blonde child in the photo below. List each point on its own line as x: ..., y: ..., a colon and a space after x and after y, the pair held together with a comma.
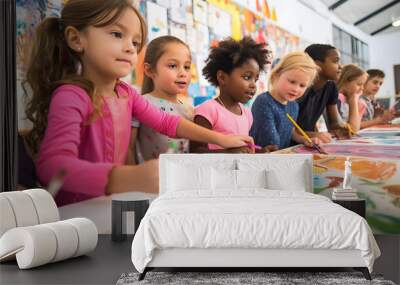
x: 350, y: 85
x: 81, y: 111
x: 233, y: 67
x: 167, y: 64
x: 289, y: 80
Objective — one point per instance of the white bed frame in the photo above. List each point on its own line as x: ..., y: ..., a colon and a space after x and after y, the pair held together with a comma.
x: 250, y: 258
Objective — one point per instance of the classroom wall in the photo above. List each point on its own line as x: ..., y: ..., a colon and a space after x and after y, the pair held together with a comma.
x: 312, y: 21
x: 384, y: 51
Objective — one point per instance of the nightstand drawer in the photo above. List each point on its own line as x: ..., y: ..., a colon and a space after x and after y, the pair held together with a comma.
x: 357, y: 206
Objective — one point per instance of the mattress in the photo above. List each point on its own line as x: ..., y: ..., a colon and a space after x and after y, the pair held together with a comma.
x: 251, y: 219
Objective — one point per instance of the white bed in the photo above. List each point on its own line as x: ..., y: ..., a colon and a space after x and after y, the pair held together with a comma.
x: 218, y: 210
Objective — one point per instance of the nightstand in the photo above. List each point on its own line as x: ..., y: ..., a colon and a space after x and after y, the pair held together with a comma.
x: 357, y: 206
x: 127, y: 209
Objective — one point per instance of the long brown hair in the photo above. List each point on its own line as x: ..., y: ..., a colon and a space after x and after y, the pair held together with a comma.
x: 349, y: 73
x: 154, y: 50
x: 53, y: 62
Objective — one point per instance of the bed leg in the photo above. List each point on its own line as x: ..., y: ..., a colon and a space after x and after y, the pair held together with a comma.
x: 143, y: 274
x: 364, y: 271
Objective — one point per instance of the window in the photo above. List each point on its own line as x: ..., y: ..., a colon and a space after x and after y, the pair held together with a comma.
x: 352, y: 49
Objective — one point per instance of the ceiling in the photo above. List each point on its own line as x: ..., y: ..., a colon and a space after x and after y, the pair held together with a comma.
x: 374, y: 17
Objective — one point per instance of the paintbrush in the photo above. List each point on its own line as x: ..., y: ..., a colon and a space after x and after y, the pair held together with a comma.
x: 303, y: 133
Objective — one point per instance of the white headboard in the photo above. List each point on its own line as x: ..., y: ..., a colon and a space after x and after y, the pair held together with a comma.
x: 231, y: 161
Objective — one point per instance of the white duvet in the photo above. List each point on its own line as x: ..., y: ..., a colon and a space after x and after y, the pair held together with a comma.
x: 255, y: 218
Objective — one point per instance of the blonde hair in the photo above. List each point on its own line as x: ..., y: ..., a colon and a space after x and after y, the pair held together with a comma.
x: 294, y: 60
x: 349, y: 73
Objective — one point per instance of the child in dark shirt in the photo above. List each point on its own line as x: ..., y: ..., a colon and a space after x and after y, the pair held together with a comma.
x: 323, y: 94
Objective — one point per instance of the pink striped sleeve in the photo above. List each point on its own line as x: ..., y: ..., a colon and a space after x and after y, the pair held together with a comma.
x: 69, y: 109
x: 153, y: 117
x: 361, y: 108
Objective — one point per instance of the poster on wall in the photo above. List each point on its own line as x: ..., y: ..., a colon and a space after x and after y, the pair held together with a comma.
x: 200, y: 11
x: 251, y: 5
x: 188, y: 6
x: 200, y: 59
x: 202, y: 38
x: 29, y: 14
x: 191, y: 38
x: 178, y: 31
x: 157, y: 21
x: 281, y: 41
x: 164, y: 3
x: 219, y: 21
x: 177, y: 12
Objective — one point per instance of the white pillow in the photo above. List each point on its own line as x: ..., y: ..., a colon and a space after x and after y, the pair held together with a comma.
x: 282, y: 174
x: 182, y: 177
x: 281, y: 180
x: 224, y: 179
x: 251, y: 178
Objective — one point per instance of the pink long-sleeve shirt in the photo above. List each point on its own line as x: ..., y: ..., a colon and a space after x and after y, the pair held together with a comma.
x: 88, y: 151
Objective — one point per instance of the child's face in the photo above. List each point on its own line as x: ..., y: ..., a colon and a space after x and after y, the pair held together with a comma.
x: 241, y: 83
x: 110, y: 52
x: 356, y: 86
x: 172, y: 73
x: 291, y: 85
x: 330, y: 67
x: 373, y: 85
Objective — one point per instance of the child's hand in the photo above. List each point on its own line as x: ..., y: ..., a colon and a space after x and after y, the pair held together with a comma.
x: 149, y: 176
x: 355, y: 96
x: 386, y: 117
x: 269, y: 148
x: 243, y: 149
x: 324, y: 137
x: 233, y: 141
x: 342, y: 133
x: 378, y: 110
x: 315, y: 141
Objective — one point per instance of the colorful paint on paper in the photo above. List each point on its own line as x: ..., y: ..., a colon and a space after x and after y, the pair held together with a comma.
x: 375, y: 176
x: 368, y: 150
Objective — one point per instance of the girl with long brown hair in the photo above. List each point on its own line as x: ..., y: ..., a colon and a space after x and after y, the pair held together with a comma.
x: 82, y: 112
x: 351, y: 84
x: 166, y: 77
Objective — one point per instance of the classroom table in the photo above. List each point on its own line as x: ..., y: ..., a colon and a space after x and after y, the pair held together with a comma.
x: 375, y: 156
